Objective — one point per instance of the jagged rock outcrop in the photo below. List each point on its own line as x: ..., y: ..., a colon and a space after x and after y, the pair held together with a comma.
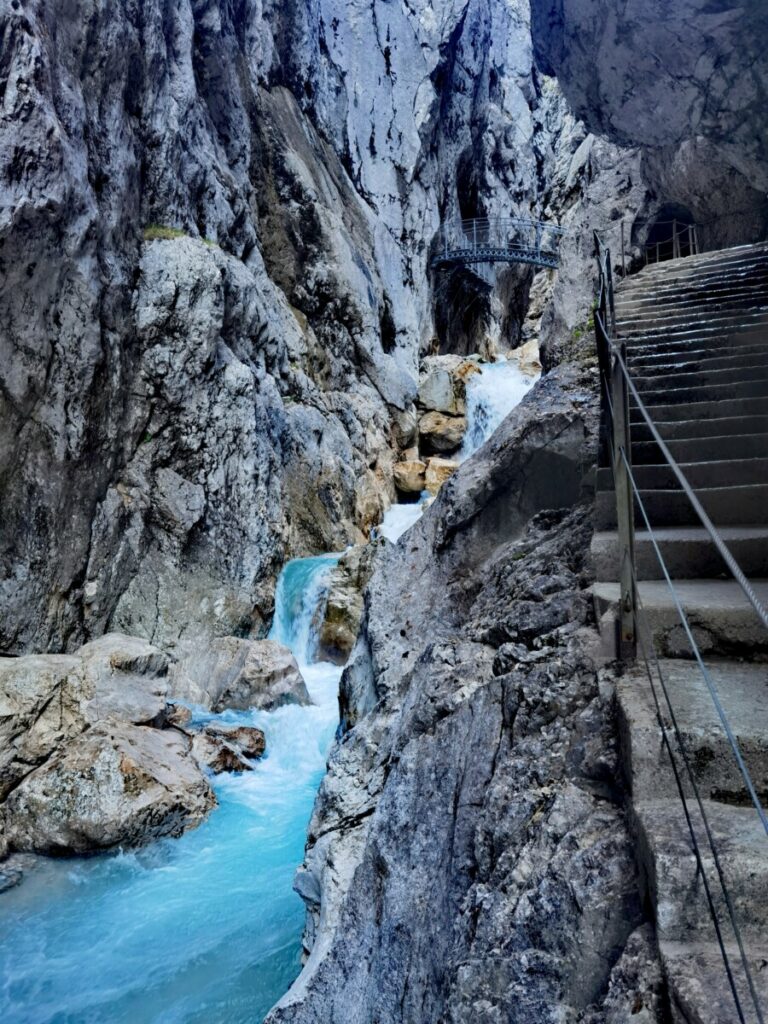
x: 658, y: 74
x: 468, y: 854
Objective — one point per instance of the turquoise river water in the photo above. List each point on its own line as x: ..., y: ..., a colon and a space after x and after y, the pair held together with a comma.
x: 201, y: 930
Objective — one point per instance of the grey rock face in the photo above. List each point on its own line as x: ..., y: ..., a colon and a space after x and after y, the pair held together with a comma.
x: 658, y: 74
x: 234, y: 673
x: 468, y: 855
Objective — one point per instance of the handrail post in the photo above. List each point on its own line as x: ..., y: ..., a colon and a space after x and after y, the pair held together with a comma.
x: 625, y: 519
x: 675, y: 241
x: 623, y: 262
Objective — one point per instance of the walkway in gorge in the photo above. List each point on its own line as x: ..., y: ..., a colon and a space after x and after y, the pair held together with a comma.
x: 696, y: 332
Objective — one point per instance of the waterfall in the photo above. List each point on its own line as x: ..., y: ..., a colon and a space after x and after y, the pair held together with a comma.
x: 198, y: 929
x: 492, y: 394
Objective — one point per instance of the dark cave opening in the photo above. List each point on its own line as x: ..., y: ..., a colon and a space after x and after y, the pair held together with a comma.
x: 671, y: 234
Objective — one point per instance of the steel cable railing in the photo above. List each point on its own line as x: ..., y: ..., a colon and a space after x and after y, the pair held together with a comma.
x: 617, y: 386
x: 643, y: 635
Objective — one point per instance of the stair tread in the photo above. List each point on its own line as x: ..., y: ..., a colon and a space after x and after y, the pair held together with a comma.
x: 704, y: 594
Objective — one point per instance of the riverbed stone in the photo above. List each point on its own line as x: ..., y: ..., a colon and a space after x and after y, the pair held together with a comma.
x: 247, y: 739
x: 437, y: 472
x: 409, y: 476
x: 117, y: 784
x: 440, y: 433
x: 230, y: 672
x: 212, y: 751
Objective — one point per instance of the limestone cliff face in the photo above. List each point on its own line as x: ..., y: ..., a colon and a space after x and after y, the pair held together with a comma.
x: 182, y: 409
x: 659, y: 74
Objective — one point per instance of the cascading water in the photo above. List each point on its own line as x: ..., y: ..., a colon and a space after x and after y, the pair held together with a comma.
x: 492, y: 394
x: 200, y: 930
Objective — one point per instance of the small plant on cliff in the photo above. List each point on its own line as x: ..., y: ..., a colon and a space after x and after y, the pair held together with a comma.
x: 153, y: 232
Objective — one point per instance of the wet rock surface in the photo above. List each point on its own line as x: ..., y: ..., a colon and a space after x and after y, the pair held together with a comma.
x: 469, y: 857
x: 344, y: 603
x: 118, y: 784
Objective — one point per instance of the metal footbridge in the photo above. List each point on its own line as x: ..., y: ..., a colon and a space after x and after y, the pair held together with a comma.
x: 497, y: 240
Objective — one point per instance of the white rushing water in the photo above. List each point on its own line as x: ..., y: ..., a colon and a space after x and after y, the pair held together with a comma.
x: 204, y: 929
x: 492, y: 394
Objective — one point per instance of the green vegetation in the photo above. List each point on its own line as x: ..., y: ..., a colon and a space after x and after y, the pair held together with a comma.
x: 154, y: 232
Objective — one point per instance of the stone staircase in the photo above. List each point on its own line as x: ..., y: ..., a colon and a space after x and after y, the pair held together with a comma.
x: 697, y: 345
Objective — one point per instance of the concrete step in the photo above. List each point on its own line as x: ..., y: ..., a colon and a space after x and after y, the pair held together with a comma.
x: 715, y: 343
x: 693, y: 331
x: 749, y: 250
x: 670, y: 321
x: 687, y: 376
x: 713, y: 286
x: 716, y: 473
x: 743, y: 691
x: 728, y: 295
x: 674, y: 882
x: 701, y: 448
x: 709, y: 409
x: 692, y: 267
x: 706, y: 361
x: 726, y: 506
x: 705, y: 304
x: 698, y: 989
x: 717, y: 427
x: 755, y: 388
x: 688, y: 552
x: 722, y: 619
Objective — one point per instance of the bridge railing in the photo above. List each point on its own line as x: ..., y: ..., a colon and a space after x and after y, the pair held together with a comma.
x: 498, y: 240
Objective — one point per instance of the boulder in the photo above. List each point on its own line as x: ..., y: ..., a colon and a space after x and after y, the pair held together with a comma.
x: 213, y: 752
x: 437, y: 472
x: 344, y: 604
x: 124, y: 677
x: 409, y: 476
x: 443, y: 385
x: 179, y: 716
x: 248, y: 740
x: 440, y: 433
x: 230, y: 672
x: 116, y: 784
x: 437, y: 392
x: 527, y: 357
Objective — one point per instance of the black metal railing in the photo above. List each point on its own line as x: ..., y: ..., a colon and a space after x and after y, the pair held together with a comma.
x: 497, y: 240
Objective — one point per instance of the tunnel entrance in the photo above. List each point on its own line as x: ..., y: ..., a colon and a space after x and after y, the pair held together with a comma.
x: 671, y: 234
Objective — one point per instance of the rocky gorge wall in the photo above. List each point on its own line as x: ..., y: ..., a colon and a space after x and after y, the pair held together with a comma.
x: 214, y: 237
x: 468, y: 855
